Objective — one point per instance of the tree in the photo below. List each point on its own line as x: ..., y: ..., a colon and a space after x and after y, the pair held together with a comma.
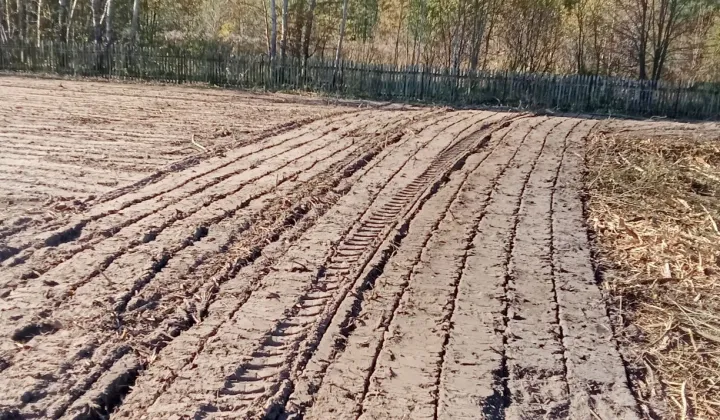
x: 483, y: 15
x: 273, y: 29
x: 38, y: 22
x: 338, y: 51
x: 62, y: 13
x: 309, y: 19
x: 109, y: 22
x: 283, y: 45
x: 20, y: 25
x: 135, y: 21
x: 531, y: 33
x: 97, y: 30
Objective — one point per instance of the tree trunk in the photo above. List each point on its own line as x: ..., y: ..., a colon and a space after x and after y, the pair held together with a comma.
x: 39, y: 22
x: 109, y: 23
x: 97, y: 31
x: 273, y: 29
x: 643, y: 40
x: 20, y: 27
x: 397, y: 34
x: 62, y: 13
x: 338, y: 51
x: 308, y: 31
x: 477, y: 34
x: 267, y: 26
x: 4, y: 11
x: 8, y: 18
x: 70, y: 20
x: 283, y: 44
x: 135, y: 21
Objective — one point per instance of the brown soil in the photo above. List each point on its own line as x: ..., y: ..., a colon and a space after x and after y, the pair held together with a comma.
x: 376, y: 263
x: 66, y: 143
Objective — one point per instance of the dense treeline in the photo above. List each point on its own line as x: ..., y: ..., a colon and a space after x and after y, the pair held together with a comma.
x: 645, y: 39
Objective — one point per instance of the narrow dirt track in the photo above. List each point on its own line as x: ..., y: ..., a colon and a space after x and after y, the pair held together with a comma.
x: 372, y: 265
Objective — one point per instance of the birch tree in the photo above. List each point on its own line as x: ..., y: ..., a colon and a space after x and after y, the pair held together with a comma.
x: 134, y: 23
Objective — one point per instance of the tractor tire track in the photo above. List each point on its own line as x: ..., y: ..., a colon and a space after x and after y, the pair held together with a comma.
x: 475, y: 347
x: 91, y: 290
x: 355, y: 371
x: 173, y: 217
x: 252, y: 315
x: 221, y: 169
x: 402, y: 378
x: 104, y: 356
x: 275, y: 398
x: 597, y: 381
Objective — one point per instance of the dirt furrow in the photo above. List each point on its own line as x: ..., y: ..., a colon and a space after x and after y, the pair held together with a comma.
x: 471, y: 376
x: 258, y: 317
x: 276, y: 394
x: 109, y: 217
x: 367, y: 324
x: 121, y: 231
x: 596, y: 377
x: 98, y: 153
x: 51, y: 169
x: 129, y: 274
x: 535, y: 356
x: 337, y: 150
x: 13, y: 183
x: 147, y: 197
x: 198, y: 211
x: 249, y: 245
x: 138, y: 161
x: 11, y: 186
x: 29, y: 171
x: 79, y: 139
x: 255, y: 239
x: 404, y: 381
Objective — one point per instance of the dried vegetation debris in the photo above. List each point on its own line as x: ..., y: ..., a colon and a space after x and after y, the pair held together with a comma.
x: 654, y: 203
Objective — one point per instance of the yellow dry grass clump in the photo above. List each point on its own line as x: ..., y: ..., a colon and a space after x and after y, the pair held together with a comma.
x: 655, y: 206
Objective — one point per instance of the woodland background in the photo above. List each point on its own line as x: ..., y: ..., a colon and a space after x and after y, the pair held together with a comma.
x: 644, y: 39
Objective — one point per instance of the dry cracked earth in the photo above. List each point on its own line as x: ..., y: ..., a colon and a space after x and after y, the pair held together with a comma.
x: 374, y: 263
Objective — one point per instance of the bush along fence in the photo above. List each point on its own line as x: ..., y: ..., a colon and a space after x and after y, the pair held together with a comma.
x: 574, y: 93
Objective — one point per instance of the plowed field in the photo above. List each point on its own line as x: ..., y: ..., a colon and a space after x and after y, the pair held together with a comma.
x: 362, y: 263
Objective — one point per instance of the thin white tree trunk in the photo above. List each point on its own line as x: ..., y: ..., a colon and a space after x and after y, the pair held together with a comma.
x: 283, y: 44
x: 96, y: 20
x: 4, y: 12
x: 39, y: 22
x: 70, y: 20
x: 109, y: 22
x: 135, y: 21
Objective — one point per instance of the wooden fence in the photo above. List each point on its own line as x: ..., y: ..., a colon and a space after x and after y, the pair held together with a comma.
x: 575, y: 93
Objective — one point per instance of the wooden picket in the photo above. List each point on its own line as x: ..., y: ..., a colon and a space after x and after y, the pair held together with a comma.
x: 576, y: 93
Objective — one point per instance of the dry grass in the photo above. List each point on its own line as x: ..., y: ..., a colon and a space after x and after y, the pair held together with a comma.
x: 655, y: 206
